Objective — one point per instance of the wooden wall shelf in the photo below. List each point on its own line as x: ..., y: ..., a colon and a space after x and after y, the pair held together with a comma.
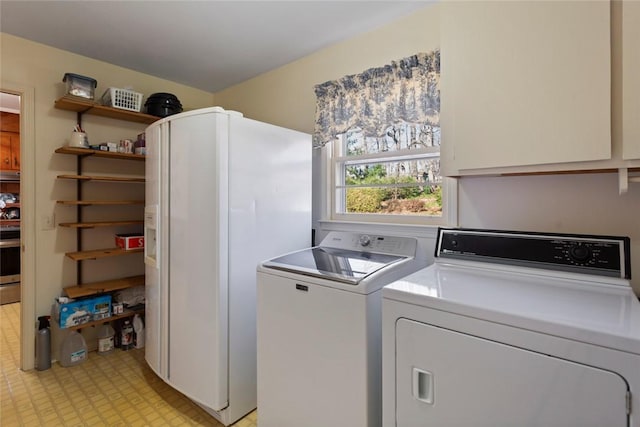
x: 93, y: 224
x: 100, y: 202
x: 83, y: 106
x: 86, y: 106
x: 83, y: 152
x: 126, y: 313
x: 101, y: 178
x: 95, y: 288
x: 100, y: 253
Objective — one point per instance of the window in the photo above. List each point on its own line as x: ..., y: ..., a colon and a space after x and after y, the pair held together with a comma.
x: 383, y: 161
x: 394, y: 178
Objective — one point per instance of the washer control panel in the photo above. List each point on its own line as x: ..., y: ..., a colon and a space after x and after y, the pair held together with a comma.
x: 392, y: 245
x: 600, y: 255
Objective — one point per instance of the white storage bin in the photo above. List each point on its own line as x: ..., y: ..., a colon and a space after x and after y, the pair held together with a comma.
x: 122, y: 98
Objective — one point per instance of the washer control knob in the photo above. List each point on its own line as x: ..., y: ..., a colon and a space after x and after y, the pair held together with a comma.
x: 365, y: 240
x: 580, y: 253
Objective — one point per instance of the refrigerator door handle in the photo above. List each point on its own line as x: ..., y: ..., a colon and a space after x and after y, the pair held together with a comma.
x: 151, y: 236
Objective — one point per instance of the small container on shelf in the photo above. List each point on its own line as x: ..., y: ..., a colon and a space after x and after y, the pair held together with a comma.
x: 140, y: 145
x: 106, y: 339
x: 71, y: 312
x: 124, y: 99
x: 81, y: 86
x: 130, y: 241
x: 118, y: 308
x: 78, y: 140
x: 125, y: 146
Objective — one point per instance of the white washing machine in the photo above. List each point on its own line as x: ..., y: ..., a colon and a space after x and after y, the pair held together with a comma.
x: 514, y: 329
x: 319, y: 330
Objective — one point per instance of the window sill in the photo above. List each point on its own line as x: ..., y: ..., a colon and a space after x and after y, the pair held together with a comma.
x: 411, y: 230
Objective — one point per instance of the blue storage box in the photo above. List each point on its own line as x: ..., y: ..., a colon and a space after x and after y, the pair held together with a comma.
x: 81, y: 311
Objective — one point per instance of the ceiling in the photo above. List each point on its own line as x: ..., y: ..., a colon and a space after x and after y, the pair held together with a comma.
x: 209, y: 45
x: 9, y: 103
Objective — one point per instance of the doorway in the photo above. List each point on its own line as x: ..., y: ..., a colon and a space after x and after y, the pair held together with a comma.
x: 10, y: 207
x: 20, y: 100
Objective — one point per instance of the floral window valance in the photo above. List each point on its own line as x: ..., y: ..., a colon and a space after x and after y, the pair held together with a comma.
x: 407, y: 91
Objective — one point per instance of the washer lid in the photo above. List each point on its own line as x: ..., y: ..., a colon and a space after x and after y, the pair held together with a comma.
x: 589, y: 309
x: 335, y: 264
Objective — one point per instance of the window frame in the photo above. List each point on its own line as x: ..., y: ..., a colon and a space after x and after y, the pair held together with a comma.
x: 333, y: 179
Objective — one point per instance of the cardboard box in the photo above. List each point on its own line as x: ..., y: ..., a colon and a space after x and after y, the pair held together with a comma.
x: 81, y: 311
x: 130, y: 241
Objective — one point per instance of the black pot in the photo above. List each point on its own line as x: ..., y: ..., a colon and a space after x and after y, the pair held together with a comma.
x: 162, y: 104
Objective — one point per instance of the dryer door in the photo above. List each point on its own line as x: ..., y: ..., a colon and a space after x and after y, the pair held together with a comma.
x: 446, y: 378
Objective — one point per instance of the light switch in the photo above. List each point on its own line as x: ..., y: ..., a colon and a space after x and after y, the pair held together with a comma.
x: 48, y: 222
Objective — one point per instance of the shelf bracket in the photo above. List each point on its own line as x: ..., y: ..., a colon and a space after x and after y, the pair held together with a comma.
x: 624, y: 178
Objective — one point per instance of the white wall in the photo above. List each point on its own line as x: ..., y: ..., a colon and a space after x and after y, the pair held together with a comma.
x: 286, y: 97
x: 583, y: 204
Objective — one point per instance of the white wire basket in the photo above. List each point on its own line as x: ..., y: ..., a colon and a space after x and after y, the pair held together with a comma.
x: 124, y: 99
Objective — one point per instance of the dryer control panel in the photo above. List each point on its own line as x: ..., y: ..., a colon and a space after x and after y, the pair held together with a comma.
x: 587, y: 254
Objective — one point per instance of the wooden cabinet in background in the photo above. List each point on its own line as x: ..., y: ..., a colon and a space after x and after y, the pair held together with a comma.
x: 10, y: 141
x: 9, y: 122
x: 9, y: 151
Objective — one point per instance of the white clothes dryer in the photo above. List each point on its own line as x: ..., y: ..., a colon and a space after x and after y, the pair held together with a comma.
x: 319, y: 331
x: 514, y: 329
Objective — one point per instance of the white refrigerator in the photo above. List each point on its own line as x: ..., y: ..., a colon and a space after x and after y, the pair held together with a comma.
x: 223, y: 193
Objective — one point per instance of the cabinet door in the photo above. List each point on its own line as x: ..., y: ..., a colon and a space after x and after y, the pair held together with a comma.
x: 524, y: 83
x: 15, y: 152
x: 446, y: 378
x: 5, y: 151
x: 630, y: 80
x: 10, y: 151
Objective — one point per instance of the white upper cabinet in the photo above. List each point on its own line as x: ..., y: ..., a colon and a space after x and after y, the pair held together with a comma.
x: 525, y: 83
x: 630, y: 80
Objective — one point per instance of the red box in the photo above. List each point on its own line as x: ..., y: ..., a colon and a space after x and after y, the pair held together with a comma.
x: 130, y: 241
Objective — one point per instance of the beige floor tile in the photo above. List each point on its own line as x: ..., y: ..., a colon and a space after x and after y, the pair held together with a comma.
x: 117, y: 390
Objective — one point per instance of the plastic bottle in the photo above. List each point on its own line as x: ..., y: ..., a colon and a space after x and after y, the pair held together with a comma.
x: 138, y: 329
x: 43, y: 344
x: 126, y: 335
x: 73, y: 350
x: 106, y: 339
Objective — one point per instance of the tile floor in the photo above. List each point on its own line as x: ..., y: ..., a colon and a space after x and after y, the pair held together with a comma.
x: 118, y: 389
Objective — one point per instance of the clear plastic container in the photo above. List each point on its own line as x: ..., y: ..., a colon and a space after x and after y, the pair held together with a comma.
x: 73, y: 350
x: 126, y: 335
x: 106, y: 339
x: 78, y: 85
x: 138, y: 331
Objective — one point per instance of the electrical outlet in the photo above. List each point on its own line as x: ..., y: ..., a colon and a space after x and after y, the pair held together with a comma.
x: 48, y: 222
